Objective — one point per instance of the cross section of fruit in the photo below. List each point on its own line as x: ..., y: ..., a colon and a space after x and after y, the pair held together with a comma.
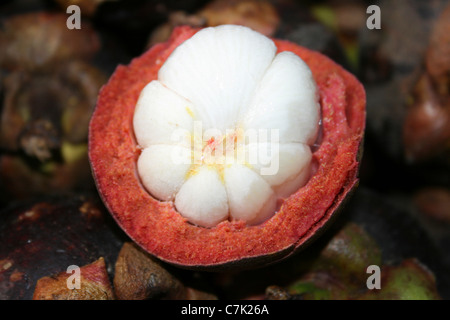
x: 227, y: 128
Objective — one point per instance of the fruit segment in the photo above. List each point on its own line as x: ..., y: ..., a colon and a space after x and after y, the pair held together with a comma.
x: 290, y: 161
x: 218, y: 70
x: 203, y: 199
x: 226, y: 129
x: 164, y: 178
x: 285, y: 100
x: 250, y: 197
x: 159, y: 114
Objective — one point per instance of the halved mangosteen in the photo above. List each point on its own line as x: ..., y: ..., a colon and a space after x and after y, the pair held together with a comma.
x: 222, y: 148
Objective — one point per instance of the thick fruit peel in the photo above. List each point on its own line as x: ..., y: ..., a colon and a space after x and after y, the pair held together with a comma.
x: 160, y: 230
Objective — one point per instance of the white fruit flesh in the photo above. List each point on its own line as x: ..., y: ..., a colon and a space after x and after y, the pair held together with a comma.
x: 226, y: 129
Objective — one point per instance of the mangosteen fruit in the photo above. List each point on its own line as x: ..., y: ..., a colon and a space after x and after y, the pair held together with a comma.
x: 224, y: 149
x: 49, y: 89
x: 140, y: 276
x: 42, y: 238
x: 426, y: 129
x: 41, y: 41
x: 261, y: 16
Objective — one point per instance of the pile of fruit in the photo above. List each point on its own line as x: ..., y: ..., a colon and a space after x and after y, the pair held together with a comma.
x: 127, y: 130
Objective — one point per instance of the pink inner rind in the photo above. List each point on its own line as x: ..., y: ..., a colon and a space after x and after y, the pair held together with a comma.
x: 160, y: 230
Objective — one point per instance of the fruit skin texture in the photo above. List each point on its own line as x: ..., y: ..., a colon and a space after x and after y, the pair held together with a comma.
x: 139, y: 276
x: 160, y: 230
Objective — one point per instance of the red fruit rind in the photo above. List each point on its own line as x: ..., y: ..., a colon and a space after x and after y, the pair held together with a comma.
x: 160, y: 230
